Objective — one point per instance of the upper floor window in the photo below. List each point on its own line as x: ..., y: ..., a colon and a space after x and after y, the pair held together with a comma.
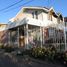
x: 35, y: 14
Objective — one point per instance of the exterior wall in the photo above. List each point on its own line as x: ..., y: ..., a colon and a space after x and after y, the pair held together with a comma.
x: 50, y: 35
x: 2, y: 27
x: 54, y: 19
x: 45, y: 16
x: 3, y: 36
x: 19, y: 16
x: 13, y: 38
x: 28, y: 13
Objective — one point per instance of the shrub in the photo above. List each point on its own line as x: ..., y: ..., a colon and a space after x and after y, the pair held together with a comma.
x: 65, y: 57
x: 51, y: 52
x: 39, y: 52
x: 8, y: 48
x: 2, y: 46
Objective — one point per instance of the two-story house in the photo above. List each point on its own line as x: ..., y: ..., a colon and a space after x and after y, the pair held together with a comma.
x: 36, y: 26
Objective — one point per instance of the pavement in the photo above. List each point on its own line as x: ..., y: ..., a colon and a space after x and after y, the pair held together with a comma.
x: 10, y: 60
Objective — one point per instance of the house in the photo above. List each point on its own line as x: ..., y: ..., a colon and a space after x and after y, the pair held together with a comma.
x: 3, y: 37
x: 36, y: 26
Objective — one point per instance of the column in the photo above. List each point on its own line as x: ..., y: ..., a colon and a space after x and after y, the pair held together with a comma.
x: 41, y: 36
x: 18, y: 37
x: 9, y: 34
x: 26, y: 35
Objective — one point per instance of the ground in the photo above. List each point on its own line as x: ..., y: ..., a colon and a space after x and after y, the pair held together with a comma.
x: 10, y: 60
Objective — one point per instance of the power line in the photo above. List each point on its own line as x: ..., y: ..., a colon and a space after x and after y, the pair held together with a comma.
x: 11, y: 5
x: 18, y: 6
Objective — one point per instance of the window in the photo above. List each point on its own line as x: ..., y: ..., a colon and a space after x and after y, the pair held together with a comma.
x: 51, y: 32
x: 35, y: 14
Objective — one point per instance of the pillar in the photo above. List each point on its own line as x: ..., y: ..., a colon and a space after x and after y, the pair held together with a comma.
x: 26, y: 35
x: 41, y: 35
x: 9, y: 38
x: 18, y: 37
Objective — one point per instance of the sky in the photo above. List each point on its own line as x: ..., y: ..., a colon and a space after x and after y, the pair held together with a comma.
x: 7, y: 11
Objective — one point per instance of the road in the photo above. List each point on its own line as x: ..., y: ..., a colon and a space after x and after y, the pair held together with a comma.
x: 8, y: 60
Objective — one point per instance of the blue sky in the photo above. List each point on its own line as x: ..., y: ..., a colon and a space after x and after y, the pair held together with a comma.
x: 5, y: 15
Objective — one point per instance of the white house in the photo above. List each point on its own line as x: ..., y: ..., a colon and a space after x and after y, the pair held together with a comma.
x: 36, y: 26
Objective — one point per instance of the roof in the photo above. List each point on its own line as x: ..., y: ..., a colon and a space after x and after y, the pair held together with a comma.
x: 2, y: 24
x: 43, y: 8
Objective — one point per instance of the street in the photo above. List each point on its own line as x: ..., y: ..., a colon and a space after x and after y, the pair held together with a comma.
x: 9, y: 60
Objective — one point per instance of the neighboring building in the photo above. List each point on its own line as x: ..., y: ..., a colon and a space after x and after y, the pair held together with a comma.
x: 3, y: 33
x: 65, y: 30
x: 36, y: 26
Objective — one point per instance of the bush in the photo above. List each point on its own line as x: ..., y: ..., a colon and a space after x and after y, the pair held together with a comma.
x: 39, y: 52
x: 51, y: 52
x: 43, y: 53
x: 65, y: 57
x: 2, y: 46
x: 8, y: 48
